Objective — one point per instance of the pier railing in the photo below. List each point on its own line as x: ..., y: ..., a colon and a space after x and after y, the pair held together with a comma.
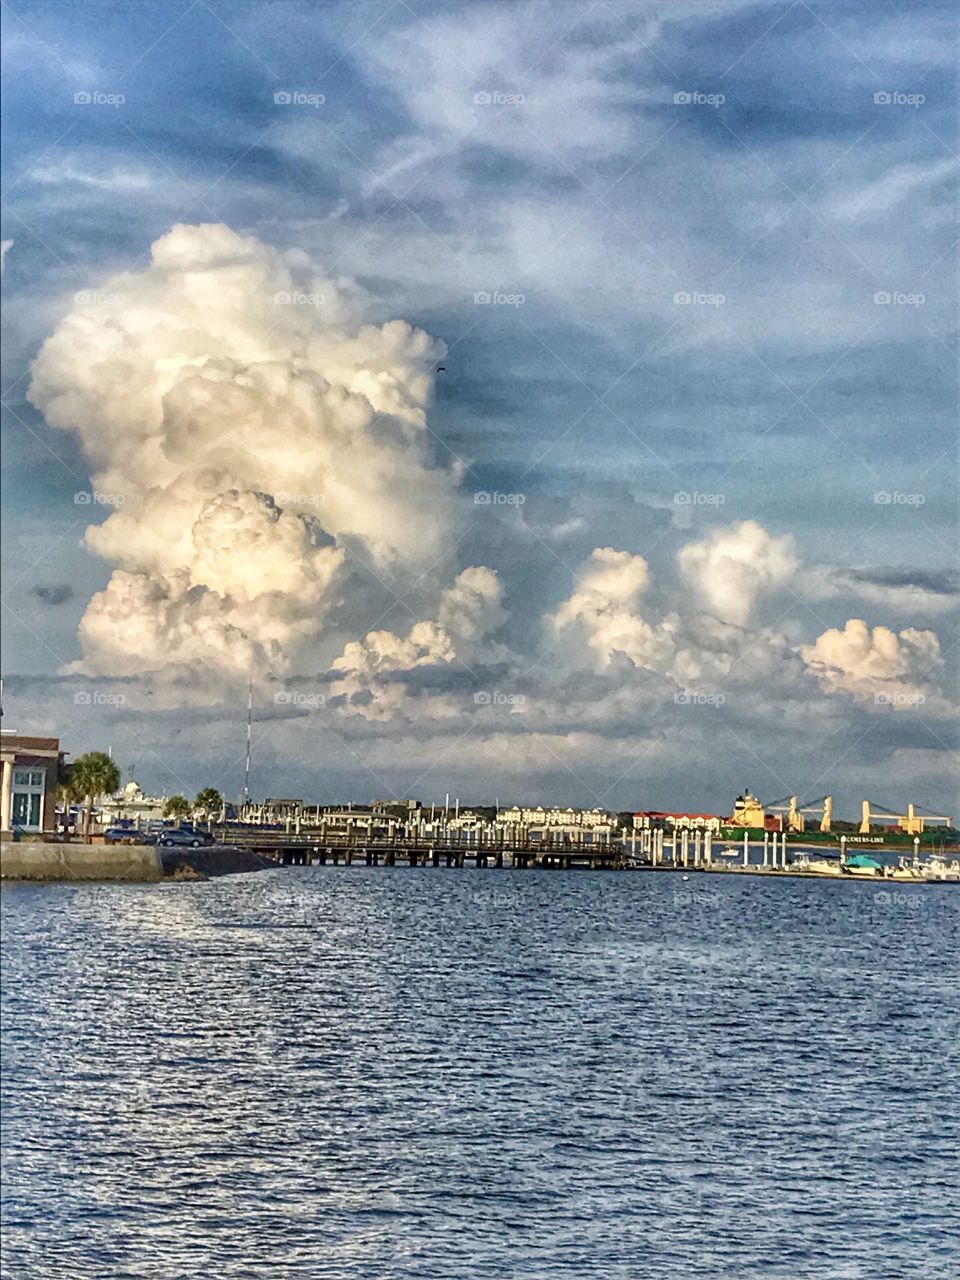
x: 349, y: 848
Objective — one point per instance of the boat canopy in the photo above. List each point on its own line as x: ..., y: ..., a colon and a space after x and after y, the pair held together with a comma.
x: 862, y: 860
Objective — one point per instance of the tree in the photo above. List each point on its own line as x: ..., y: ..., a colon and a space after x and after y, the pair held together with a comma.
x: 208, y: 801
x: 92, y: 775
x: 177, y: 807
x: 65, y: 798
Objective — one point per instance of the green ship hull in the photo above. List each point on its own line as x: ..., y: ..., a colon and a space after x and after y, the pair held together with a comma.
x: 930, y: 841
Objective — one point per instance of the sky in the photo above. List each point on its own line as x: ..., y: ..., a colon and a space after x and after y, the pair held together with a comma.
x: 537, y: 402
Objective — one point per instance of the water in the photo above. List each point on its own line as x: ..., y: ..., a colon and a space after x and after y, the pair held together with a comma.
x: 454, y: 1075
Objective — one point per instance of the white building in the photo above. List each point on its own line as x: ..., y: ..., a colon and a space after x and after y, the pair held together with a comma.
x: 541, y: 817
x: 131, y: 802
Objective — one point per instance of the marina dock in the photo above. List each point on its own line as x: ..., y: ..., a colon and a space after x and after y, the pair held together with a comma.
x: 772, y: 858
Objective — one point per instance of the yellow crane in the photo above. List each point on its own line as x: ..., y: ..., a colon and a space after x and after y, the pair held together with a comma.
x: 796, y: 812
x: 913, y: 823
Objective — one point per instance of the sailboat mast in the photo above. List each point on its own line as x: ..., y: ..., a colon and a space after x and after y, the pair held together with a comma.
x: 246, y: 767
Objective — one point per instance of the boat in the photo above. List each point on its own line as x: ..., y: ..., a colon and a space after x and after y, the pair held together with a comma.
x: 939, y: 871
x: 861, y: 865
x: 816, y: 866
x: 904, y: 870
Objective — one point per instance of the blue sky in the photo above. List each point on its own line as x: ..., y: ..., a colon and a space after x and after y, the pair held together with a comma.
x: 785, y: 167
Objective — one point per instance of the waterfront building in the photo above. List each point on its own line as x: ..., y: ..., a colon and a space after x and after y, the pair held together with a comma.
x: 282, y: 807
x: 679, y: 821
x: 397, y: 808
x: 32, y: 768
x: 130, y: 802
x: 571, y: 835
x: 541, y: 817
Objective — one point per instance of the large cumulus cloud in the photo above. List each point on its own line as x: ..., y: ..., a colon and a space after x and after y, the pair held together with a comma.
x: 246, y: 424
x: 733, y: 566
x: 878, y: 665
x: 608, y: 614
x: 371, y: 677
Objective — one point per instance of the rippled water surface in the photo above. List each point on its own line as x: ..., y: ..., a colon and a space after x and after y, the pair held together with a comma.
x: 380, y: 1073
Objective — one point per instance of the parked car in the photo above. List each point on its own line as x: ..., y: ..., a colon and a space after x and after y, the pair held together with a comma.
x: 127, y: 835
x: 180, y: 837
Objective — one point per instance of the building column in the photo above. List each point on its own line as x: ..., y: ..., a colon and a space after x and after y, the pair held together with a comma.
x: 6, y: 800
x: 43, y: 806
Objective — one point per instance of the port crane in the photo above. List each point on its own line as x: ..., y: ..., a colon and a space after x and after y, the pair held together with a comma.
x: 796, y: 812
x: 912, y: 822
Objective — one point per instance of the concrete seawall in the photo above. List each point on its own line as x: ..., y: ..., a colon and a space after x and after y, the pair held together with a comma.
x: 222, y: 860
x: 29, y: 860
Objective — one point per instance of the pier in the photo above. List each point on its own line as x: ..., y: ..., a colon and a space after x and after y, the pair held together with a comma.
x: 304, y: 849
x: 652, y: 851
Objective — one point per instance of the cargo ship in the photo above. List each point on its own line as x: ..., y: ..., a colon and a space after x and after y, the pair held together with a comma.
x: 750, y: 817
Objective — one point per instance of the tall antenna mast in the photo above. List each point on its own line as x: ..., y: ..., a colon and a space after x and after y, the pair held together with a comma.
x: 246, y: 767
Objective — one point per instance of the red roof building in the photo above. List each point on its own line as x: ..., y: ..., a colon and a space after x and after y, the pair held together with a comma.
x: 690, y: 821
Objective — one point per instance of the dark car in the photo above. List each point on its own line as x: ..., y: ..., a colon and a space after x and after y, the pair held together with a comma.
x: 184, y: 837
x: 127, y: 835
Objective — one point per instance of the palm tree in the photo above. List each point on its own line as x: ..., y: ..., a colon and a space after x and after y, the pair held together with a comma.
x: 92, y: 775
x: 65, y: 798
x: 177, y: 807
x: 208, y: 801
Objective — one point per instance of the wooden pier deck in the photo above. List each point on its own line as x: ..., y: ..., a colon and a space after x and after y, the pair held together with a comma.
x: 307, y: 849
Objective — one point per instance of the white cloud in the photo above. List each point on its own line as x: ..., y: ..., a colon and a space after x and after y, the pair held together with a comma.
x: 692, y: 649
x: 568, y: 99
x: 605, y: 607
x: 83, y: 171
x: 364, y: 663
x: 877, y: 196
x: 468, y: 614
x: 905, y: 590
x: 240, y: 417
x: 734, y: 566
x: 879, y: 665
x: 472, y: 609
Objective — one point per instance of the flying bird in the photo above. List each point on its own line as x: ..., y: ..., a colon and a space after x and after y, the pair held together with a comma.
x: 441, y: 368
